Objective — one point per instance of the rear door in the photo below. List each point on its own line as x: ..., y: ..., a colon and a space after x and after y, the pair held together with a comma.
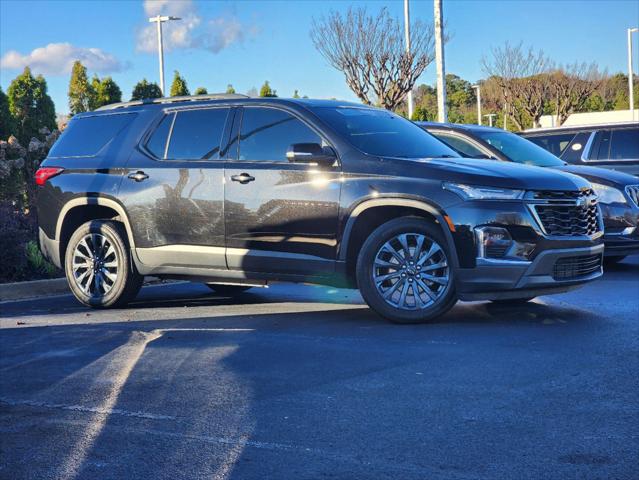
x: 280, y: 217
x: 174, y: 190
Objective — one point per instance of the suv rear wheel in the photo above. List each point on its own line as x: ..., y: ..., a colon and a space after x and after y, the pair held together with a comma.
x: 404, y: 273
x: 98, y: 265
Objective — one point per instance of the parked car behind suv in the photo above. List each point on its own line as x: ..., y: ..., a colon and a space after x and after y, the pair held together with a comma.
x: 235, y: 192
x: 618, y: 192
x: 612, y: 145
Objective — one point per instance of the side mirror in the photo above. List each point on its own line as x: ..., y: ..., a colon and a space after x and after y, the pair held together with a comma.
x: 311, y: 153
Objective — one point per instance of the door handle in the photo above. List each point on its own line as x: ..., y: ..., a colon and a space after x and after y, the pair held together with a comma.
x: 243, y: 178
x: 138, y: 176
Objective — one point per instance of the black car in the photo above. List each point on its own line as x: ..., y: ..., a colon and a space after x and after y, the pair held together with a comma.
x: 618, y: 192
x: 613, y: 145
x: 235, y: 192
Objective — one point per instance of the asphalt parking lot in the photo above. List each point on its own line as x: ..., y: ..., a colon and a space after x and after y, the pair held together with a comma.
x: 299, y: 381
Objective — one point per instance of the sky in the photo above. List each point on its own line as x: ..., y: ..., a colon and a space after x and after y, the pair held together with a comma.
x: 247, y: 42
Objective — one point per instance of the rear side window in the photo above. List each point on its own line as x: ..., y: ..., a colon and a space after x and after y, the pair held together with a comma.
x: 575, y: 150
x: 601, y: 146
x: 86, y: 136
x: 267, y: 133
x: 555, y: 144
x: 625, y: 144
x: 196, y: 134
x: 157, y: 143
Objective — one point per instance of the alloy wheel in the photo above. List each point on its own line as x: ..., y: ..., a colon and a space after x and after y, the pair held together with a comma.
x: 411, y: 271
x: 95, y: 265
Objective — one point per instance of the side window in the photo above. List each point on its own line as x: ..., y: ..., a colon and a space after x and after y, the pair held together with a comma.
x: 157, y: 143
x: 555, y: 144
x: 625, y: 144
x: 460, y: 145
x: 600, y: 146
x: 266, y: 134
x: 197, y: 134
x: 576, y: 148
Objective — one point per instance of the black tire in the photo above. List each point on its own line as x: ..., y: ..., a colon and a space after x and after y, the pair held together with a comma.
x: 230, y: 290
x: 127, y: 281
x: 387, y: 232
x: 512, y: 301
x: 613, y: 260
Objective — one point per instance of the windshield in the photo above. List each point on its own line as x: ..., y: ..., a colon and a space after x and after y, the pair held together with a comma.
x: 380, y: 132
x: 519, y: 149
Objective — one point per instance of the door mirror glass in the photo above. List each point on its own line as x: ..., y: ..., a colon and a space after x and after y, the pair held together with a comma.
x: 311, y: 153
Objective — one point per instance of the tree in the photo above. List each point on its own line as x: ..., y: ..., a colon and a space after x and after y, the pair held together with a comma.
x: 30, y: 106
x: 80, y: 92
x: 296, y: 94
x: 524, y: 78
x: 572, y: 86
x: 6, y: 119
x: 178, y: 87
x: 145, y: 89
x: 370, y: 52
x: 201, y: 91
x: 267, y: 91
x: 230, y: 89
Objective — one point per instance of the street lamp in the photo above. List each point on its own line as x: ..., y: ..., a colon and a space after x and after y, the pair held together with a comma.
x: 631, y: 92
x: 478, y: 88
x: 407, y: 34
x: 159, y: 20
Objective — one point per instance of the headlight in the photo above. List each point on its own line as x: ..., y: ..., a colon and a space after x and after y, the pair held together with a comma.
x: 608, y: 194
x: 474, y: 192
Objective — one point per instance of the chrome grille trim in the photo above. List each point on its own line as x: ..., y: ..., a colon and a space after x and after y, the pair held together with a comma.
x: 633, y: 192
x: 566, y: 213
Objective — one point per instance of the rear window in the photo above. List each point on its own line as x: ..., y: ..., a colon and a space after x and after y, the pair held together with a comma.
x: 86, y: 136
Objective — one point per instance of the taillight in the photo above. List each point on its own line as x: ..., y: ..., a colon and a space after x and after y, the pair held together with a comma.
x: 45, y: 173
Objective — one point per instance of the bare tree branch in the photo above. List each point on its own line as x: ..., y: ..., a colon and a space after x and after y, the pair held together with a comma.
x: 370, y: 52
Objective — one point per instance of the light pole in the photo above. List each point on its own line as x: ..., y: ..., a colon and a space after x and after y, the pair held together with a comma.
x: 490, y: 118
x: 407, y: 33
x: 631, y: 89
x: 478, y: 89
x: 159, y: 20
x: 442, y: 115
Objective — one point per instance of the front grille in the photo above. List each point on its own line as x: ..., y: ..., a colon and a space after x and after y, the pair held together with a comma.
x: 570, y: 268
x: 633, y: 193
x: 560, y: 195
x: 567, y: 213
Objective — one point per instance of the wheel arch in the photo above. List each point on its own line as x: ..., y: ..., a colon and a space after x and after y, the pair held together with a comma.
x: 80, y: 210
x: 372, y: 213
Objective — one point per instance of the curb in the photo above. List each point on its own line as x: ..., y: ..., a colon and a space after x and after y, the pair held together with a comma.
x: 33, y: 289
x: 11, y: 292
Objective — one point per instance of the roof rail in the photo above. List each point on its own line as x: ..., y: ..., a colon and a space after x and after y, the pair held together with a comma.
x: 185, y: 98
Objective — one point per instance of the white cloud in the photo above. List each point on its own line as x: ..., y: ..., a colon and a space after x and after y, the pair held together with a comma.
x: 215, y: 34
x: 58, y: 58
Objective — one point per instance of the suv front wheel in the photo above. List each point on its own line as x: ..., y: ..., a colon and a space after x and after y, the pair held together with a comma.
x: 404, y: 272
x: 98, y: 265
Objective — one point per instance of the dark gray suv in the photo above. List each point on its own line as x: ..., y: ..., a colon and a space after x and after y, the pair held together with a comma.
x: 235, y: 192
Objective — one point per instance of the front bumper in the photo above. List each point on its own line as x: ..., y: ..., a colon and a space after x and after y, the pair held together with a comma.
x: 622, y: 244
x: 505, y: 279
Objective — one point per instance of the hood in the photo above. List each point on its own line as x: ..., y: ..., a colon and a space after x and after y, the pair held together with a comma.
x: 604, y: 176
x: 487, y: 173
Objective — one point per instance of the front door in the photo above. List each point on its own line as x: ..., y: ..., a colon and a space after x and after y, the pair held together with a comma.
x: 280, y: 217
